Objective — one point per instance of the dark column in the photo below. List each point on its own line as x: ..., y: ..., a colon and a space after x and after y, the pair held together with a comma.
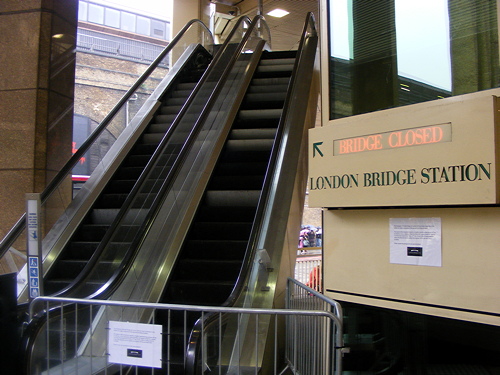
x: 474, y: 45
x: 374, y: 67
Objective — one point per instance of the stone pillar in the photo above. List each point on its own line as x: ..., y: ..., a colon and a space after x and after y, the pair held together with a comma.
x: 37, y: 65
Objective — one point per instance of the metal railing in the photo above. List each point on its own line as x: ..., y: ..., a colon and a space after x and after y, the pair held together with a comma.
x: 107, y: 124
x: 301, y: 297
x: 308, y: 271
x: 117, y: 321
x: 109, y: 45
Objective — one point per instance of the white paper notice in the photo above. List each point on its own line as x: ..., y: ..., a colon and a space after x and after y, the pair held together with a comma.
x: 135, y: 344
x: 416, y: 241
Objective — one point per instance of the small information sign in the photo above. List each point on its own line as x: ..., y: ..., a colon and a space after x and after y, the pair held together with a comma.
x: 135, y: 344
x: 34, y: 245
x: 416, y: 241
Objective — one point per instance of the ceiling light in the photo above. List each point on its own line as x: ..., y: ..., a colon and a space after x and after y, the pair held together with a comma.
x: 278, y: 13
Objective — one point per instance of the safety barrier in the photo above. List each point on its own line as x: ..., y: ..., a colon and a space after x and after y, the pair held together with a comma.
x: 301, y: 359
x: 126, y: 335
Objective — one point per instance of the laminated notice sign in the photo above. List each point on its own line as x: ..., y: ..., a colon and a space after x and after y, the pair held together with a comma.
x: 415, y: 241
x: 135, y: 344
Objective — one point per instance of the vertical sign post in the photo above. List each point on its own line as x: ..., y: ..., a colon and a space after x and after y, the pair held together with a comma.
x: 34, y: 245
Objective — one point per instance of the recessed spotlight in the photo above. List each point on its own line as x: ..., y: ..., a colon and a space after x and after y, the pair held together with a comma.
x: 278, y: 13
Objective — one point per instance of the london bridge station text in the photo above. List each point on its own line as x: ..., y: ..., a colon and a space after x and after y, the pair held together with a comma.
x: 430, y: 175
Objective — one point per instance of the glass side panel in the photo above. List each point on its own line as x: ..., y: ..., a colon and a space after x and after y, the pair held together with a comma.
x: 399, y: 52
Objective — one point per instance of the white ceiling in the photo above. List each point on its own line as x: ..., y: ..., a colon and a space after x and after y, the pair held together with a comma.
x: 285, y: 31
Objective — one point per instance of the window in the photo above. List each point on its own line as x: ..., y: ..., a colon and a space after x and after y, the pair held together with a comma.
x: 158, y: 29
x: 143, y: 25
x: 96, y: 14
x: 385, y: 54
x: 112, y: 18
x: 82, y: 11
x: 128, y: 22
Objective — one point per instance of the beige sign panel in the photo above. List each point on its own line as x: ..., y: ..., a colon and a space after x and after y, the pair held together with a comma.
x: 463, y: 284
x: 436, y: 153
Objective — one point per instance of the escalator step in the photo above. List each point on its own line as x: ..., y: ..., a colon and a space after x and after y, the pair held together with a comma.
x: 264, y: 84
x: 91, y: 232
x: 274, y: 71
x: 209, y: 249
x: 245, y: 145
x: 268, y: 99
x: 221, y: 231
x: 107, y: 215
x: 135, y: 172
x: 278, y: 55
x: 200, y: 293
x: 232, y: 198
x: 83, y: 250
x: 208, y: 270
x: 277, y: 61
x: 159, y: 127
x: 258, y: 87
x: 189, y: 86
x: 241, y: 168
x: 149, y: 149
x: 70, y: 269
x: 233, y: 213
x: 171, y: 109
x: 177, y: 101
x: 126, y: 185
x: 80, y: 250
x: 259, y: 114
x: 142, y: 160
x: 154, y: 138
x: 116, y: 200
x: 182, y: 93
x: 240, y: 183
x: 254, y: 133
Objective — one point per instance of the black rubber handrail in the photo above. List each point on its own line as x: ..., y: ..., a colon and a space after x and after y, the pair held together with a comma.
x: 19, y: 226
x: 250, y: 253
x: 168, y: 180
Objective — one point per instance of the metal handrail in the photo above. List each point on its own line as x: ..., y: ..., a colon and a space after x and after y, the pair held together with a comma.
x: 251, y: 250
x: 19, y: 226
x: 106, y: 289
x: 336, y: 306
x: 176, y: 307
x: 311, y: 299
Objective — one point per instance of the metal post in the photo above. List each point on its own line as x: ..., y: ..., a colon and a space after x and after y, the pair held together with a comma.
x: 260, y: 9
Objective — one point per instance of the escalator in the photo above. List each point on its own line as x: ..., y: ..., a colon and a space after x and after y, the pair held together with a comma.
x: 213, y: 252
x: 216, y: 248
x: 84, y: 243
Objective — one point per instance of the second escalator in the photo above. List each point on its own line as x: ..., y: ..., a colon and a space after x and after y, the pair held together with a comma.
x: 211, y: 258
